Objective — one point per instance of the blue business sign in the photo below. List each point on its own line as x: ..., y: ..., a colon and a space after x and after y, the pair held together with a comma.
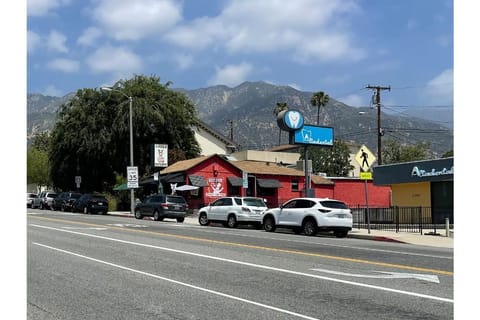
x: 314, y: 135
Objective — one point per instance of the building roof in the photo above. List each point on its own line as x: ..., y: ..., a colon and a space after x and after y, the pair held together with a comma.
x: 253, y: 167
x: 258, y: 167
x: 184, y: 165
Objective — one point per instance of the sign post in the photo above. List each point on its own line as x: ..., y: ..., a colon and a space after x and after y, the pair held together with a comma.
x: 365, y: 159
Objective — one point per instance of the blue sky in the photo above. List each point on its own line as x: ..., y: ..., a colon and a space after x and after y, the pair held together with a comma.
x: 335, y: 46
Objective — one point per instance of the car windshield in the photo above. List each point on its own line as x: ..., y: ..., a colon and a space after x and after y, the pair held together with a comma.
x: 333, y: 204
x: 99, y: 198
x: 254, y: 202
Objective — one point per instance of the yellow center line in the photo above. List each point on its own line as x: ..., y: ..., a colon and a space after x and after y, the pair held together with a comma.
x: 236, y: 244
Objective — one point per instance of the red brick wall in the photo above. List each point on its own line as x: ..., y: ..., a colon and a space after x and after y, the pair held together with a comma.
x: 352, y: 192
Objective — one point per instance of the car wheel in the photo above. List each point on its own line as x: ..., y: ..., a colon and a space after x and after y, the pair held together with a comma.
x: 138, y: 215
x: 269, y: 224
x: 181, y: 219
x: 62, y: 208
x: 202, y: 219
x: 231, y: 221
x: 156, y: 215
x: 310, y: 227
x: 41, y: 206
x: 340, y: 233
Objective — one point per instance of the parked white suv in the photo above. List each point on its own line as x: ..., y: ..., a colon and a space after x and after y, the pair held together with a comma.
x: 232, y: 211
x: 310, y: 215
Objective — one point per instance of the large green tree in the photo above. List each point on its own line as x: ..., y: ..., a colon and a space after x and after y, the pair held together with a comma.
x: 333, y: 161
x: 91, y: 137
x: 394, y: 152
x: 38, y: 167
x: 319, y: 99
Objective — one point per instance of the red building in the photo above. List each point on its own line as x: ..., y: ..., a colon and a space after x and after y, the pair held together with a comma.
x: 215, y: 176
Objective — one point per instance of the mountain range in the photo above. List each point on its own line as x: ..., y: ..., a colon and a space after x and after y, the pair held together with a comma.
x: 246, y: 114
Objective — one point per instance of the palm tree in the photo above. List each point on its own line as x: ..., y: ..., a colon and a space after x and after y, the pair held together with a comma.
x: 281, y: 106
x: 319, y: 99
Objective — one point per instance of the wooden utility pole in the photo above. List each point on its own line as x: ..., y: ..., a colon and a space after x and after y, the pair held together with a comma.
x: 379, y: 123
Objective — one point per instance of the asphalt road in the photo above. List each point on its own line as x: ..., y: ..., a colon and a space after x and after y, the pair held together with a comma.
x: 108, y: 267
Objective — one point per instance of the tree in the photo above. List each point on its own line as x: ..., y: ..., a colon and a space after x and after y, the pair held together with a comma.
x: 333, y: 161
x: 319, y: 99
x: 41, y: 141
x: 394, y: 152
x: 281, y: 106
x: 92, y: 133
x: 38, y: 167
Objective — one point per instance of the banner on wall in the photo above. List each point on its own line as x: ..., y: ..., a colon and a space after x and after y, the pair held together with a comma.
x: 216, y: 187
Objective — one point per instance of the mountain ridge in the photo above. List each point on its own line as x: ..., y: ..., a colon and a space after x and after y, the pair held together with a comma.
x: 246, y: 111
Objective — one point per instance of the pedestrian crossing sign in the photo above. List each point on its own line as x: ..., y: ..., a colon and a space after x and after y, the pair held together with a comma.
x: 365, y: 158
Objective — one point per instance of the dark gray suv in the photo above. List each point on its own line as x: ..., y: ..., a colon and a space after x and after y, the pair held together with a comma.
x: 160, y: 206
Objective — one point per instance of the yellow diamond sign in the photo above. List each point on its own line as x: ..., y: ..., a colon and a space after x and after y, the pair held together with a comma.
x: 365, y: 158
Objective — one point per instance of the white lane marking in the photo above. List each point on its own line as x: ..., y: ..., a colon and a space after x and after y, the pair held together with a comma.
x: 180, y: 283
x: 127, y: 225
x: 385, y: 275
x: 84, y: 228
x: 259, y: 266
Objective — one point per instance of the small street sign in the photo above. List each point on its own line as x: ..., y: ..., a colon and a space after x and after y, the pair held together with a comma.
x: 365, y: 158
x: 366, y: 175
x: 132, y: 177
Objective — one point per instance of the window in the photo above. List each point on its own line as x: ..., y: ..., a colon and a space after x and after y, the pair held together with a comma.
x: 295, y: 185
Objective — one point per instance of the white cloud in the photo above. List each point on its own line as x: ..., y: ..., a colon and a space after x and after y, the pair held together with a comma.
x: 134, y: 20
x: 231, y: 75
x: 184, y: 61
x: 439, y: 90
x: 56, y: 41
x: 118, y: 60
x: 33, y: 41
x: 354, y: 100
x: 43, y: 7
x: 303, y: 28
x: 89, y: 36
x: 64, y: 65
x: 53, y: 91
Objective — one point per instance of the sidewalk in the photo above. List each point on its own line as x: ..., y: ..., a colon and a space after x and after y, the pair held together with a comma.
x: 439, y: 240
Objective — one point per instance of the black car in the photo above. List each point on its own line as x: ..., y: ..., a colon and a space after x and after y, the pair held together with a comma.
x: 91, y: 203
x: 64, y: 201
x: 162, y: 206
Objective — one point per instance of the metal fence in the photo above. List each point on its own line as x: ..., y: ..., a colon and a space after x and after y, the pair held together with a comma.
x: 409, y: 219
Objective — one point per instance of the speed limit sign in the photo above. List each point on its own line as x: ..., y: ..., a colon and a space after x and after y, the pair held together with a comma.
x: 132, y: 177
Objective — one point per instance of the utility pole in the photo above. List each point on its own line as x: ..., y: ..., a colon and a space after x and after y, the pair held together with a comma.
x: 231, y: 129
x: 378, y: 89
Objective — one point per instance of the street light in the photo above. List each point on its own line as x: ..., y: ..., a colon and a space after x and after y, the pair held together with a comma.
x: 132, y: 191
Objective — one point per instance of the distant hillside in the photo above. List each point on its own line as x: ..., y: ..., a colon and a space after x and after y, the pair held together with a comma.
x: 249, y: 109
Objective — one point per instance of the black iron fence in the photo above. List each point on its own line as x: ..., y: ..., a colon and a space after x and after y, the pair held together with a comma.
x: 409, y: 219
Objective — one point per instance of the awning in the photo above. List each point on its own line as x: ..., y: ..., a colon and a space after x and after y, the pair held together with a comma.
x: 268, y: 183
x: 186, y: 187
x: 235, y: 181
x: 121, y: 187
x: 198, y: 181
x: 173, y: 178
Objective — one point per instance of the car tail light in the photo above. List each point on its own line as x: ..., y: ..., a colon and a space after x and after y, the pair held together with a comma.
x: 164, y: 205
x: 324, y: 210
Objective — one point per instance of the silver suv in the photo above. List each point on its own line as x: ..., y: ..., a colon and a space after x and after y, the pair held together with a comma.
x: 44, y: 200
x: 310, y: 215
x: 231, y: 211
